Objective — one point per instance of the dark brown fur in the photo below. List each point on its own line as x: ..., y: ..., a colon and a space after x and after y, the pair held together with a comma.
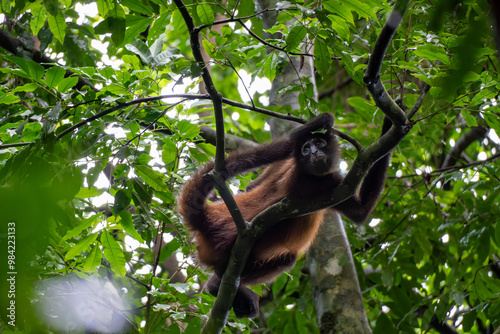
x: 290, y: 173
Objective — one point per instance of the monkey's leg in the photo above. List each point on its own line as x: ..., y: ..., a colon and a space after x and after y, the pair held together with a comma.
x: 245, y: 302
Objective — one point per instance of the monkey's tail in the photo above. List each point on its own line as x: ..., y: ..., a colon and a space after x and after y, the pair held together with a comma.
x: 192, y: 200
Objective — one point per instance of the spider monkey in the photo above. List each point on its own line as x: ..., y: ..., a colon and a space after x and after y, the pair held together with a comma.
x: 300, y: 166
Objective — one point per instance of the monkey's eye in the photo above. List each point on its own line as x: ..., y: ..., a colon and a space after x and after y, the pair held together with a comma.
x: 306, y: 148
x: 320, y: 143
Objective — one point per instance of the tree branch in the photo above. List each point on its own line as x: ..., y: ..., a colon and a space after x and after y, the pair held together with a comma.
x: 230, y: 281
x: 372, y: 75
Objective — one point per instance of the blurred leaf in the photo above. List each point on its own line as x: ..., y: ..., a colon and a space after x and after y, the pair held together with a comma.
x: 57, y: 26
x: 113, y: 253
x: 80, y: 247
x: 205, y: 14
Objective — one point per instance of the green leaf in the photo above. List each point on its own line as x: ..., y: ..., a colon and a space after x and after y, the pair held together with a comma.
x: 482, y: 96
x: 152, y: 177
x: 80, y: 247
x: 469, y: 119
x: 84, y: 224
x: 36, y: 71
x: 128, y: 225
x: 8, y: 99
x: 363, y: 106
x: 57, y: 26
x: 89, y: 192
x: 295, y: 37
x: 340, y: 26
x: 113, y: 253
x: 137, y: 6
x: 268, y: 67
x: 322, y: 56
x: 136, y: 25
x: 469, y: 320
x: 141, y: 49
x: 157, y: 46
x: 30, y: 87
x: 159, y: 24
x: 205, y: 14
x: 92, y: 260
x: 336, y: 7
x: 66, y: 84
x: 169, y: 152
x: 122, y: 200
x: 54, y: 75
x: 39, y: 16
x: 169, y: 248
x: 117, y: 28
x: 362, y: 9
x: 187, y: 129
x: 384, y: 325
x: 433, y: 52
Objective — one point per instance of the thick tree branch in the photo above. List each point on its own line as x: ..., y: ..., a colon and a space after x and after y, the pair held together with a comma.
x: 475, y: 133
x: 14, y: 46
x: 372, y: 75
x: 230, y: 281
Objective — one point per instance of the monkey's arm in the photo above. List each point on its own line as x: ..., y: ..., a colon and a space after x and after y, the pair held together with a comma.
x: 248, y: 159
x: 359, y: 207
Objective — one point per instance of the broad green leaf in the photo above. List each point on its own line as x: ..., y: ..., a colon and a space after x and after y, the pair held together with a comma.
x: 152, y: 177
x: 178, y: 20
x: 57, y: 26
x: 268, y: 67
x: 140, y: 24
x: 92, y: 260
x: 340, y: 26
x: 336, y: 7
x: 169, y: 152
x: 295, y: 37
x: 497, y: 233
x: 384, y: 325
x: 128, y: 225
x: 141, y: 49
x: 80, y: 247
x: 8, y: 98
x: 432, y: 52
x: 84, y: 224
x: 137, y: 6
x: 159, y: 24
x: 322, y: 56
x: 89, y: 192
x: 205, y: 14
x: 469, y: 119
x: 362, y: 9
x: 54, y: 75
x: 116, y: 89
x: 188, y: 129
x: 363, y: 106
x: 104, y: 6
x: 39, y: 17
x: 117, y: 28
x: 157, y: 46
x: 482, y: 96
x: 122, y: 200
x: 36, y: 71
x: 26, y: 88
x: 52, y: 6
x: 169, y: 248
x: 113, y: 253
x: 66, y: 84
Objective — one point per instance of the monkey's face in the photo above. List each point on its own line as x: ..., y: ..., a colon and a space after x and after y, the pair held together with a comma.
x: 316, y: 157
